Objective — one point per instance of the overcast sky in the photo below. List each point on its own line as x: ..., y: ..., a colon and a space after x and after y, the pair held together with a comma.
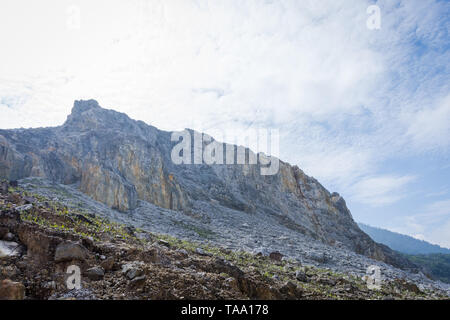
x: 365, y: 111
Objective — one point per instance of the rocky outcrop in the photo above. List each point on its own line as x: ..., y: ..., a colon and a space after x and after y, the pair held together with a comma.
x: 118, y: 161
x: 10, y: 290
x: 70, y: 251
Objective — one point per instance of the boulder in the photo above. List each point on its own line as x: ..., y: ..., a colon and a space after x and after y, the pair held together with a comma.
x: 108, y: 264
x: 13, y: 183
x: 3, y: 232
x: 82, y: 218
x: 276, y: 256
x: 202, y: 252
x: 40, y: 245
x: 25, y: 207
x: 4, y: 187
x: 133, y: 273
x: 405, y: 285
x: 9, y: 237
x: 29, y: 200
x: 10, y: 290
x: 9, y: 249
x: 132, y: 270
x: 138, y: 281
x: 69, y: 251
x: 224, y: 266
x: 95, y: 273
x: 301, y: 276
x: 320, y: 257
x: 164, y: 243
x: 291, y: 290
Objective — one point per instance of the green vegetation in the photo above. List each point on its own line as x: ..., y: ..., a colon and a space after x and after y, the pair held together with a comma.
x: 437, y: 265
x: 285, y: 270
x: 202, y: 232
x: 56, y: 216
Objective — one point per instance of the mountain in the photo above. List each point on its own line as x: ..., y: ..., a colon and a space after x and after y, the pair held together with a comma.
x: 127, y: 166
x: 400, y: 242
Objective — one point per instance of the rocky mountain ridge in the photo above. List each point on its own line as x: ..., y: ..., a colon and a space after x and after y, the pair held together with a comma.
x: 126, y: 165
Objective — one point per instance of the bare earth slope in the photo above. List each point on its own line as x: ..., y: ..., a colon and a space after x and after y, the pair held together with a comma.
x: 41, y: 239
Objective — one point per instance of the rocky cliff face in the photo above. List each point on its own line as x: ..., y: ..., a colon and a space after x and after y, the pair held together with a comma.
x: 118, y: 161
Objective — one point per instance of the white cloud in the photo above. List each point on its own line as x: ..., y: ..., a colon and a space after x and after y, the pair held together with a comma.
x: 437, y: 209
x: 380, y: 190
x: 432, y: 222
x: 430, y: 128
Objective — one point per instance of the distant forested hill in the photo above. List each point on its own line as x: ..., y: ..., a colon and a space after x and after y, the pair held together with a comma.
x: 436, y: 265
x: 400, y: 242
x: 434, y: 259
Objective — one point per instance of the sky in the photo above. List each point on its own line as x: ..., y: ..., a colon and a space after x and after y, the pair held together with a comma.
x: 364, y: 110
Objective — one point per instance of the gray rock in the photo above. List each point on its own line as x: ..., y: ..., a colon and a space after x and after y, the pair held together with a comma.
x: 10, y: 290
x: 9, y: 236
x: 138, y: 281
x: 164, y: 243
x: 82, y: 218
x: 69, y: 251
x: 9, y: 249
x: 132, y: 270
x: 3, y: 232
x: 202, y: 252
x: 95, y: 273
x: 301, y: 276
x: 25, y: 207
x: 133, y: 273
x: 108, y: 264
x: 276, y: 256
x: 50, y: 285
x: 4, y: 187
x: 319, y: 257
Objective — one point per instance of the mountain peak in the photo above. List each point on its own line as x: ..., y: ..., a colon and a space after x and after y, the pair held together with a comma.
x: 80, y: 106
x: 89, y: 115
x: 85, y: 114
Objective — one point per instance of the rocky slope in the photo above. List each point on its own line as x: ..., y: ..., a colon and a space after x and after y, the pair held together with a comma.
x: 126, y: 165
x: 41, y: 239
